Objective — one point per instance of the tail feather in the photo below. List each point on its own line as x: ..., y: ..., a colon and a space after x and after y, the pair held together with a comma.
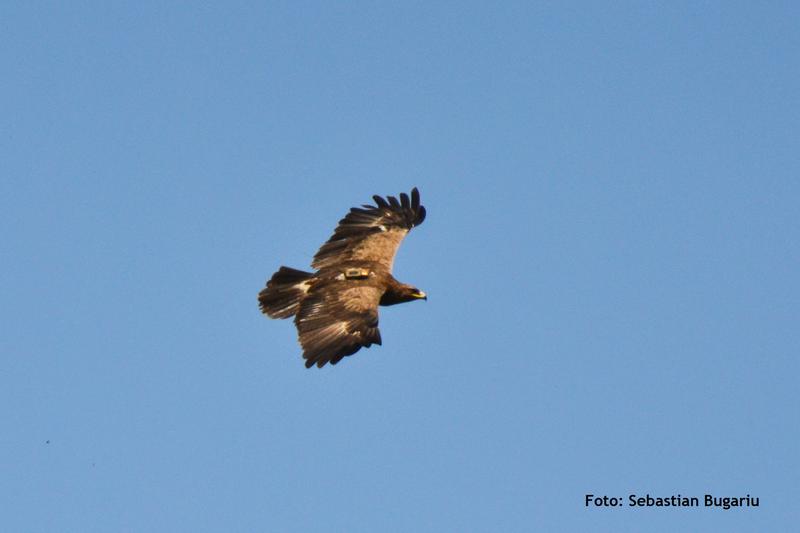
x: 287, y: 287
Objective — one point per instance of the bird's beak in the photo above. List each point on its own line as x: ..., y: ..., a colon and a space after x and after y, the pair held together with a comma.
x: 421, y: 295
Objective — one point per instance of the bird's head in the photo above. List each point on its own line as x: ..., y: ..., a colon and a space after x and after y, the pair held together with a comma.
x: 400, y: 293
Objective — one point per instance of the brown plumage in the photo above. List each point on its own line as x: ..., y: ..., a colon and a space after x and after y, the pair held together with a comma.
x: 336, y: 308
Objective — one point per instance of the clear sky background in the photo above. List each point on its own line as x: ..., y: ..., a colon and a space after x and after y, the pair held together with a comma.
x: 611, y: 256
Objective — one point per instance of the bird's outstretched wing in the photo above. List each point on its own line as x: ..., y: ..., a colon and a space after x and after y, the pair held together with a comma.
x: 372, y: 233
x: 334, y: 322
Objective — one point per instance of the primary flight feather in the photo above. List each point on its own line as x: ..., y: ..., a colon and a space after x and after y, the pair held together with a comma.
x: 336, y: 308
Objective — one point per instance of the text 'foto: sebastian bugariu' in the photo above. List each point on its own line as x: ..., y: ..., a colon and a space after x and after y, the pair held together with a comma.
x: 676, y: 500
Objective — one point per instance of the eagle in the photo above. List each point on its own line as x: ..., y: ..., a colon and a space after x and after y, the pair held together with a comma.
x: 335, y: 309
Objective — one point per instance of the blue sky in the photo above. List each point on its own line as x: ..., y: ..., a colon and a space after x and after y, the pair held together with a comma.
x: 611, y: 256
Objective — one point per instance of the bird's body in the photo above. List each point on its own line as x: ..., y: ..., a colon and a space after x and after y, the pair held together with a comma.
x: 336, y: 308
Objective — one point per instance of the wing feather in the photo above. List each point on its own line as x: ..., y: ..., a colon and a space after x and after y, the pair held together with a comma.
x: 372, y: 233
x: 414, y: 199
x: 335, y: 321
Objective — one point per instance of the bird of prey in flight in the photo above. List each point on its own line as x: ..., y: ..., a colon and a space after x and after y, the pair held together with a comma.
x: 335, y: 309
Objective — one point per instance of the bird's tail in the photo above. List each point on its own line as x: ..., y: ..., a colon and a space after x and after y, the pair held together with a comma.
x: 287, y: 287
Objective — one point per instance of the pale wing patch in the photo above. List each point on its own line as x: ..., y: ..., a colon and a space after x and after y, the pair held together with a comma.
x: 380, y: 247
x: 327, y: 334
x: 360, y: 299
